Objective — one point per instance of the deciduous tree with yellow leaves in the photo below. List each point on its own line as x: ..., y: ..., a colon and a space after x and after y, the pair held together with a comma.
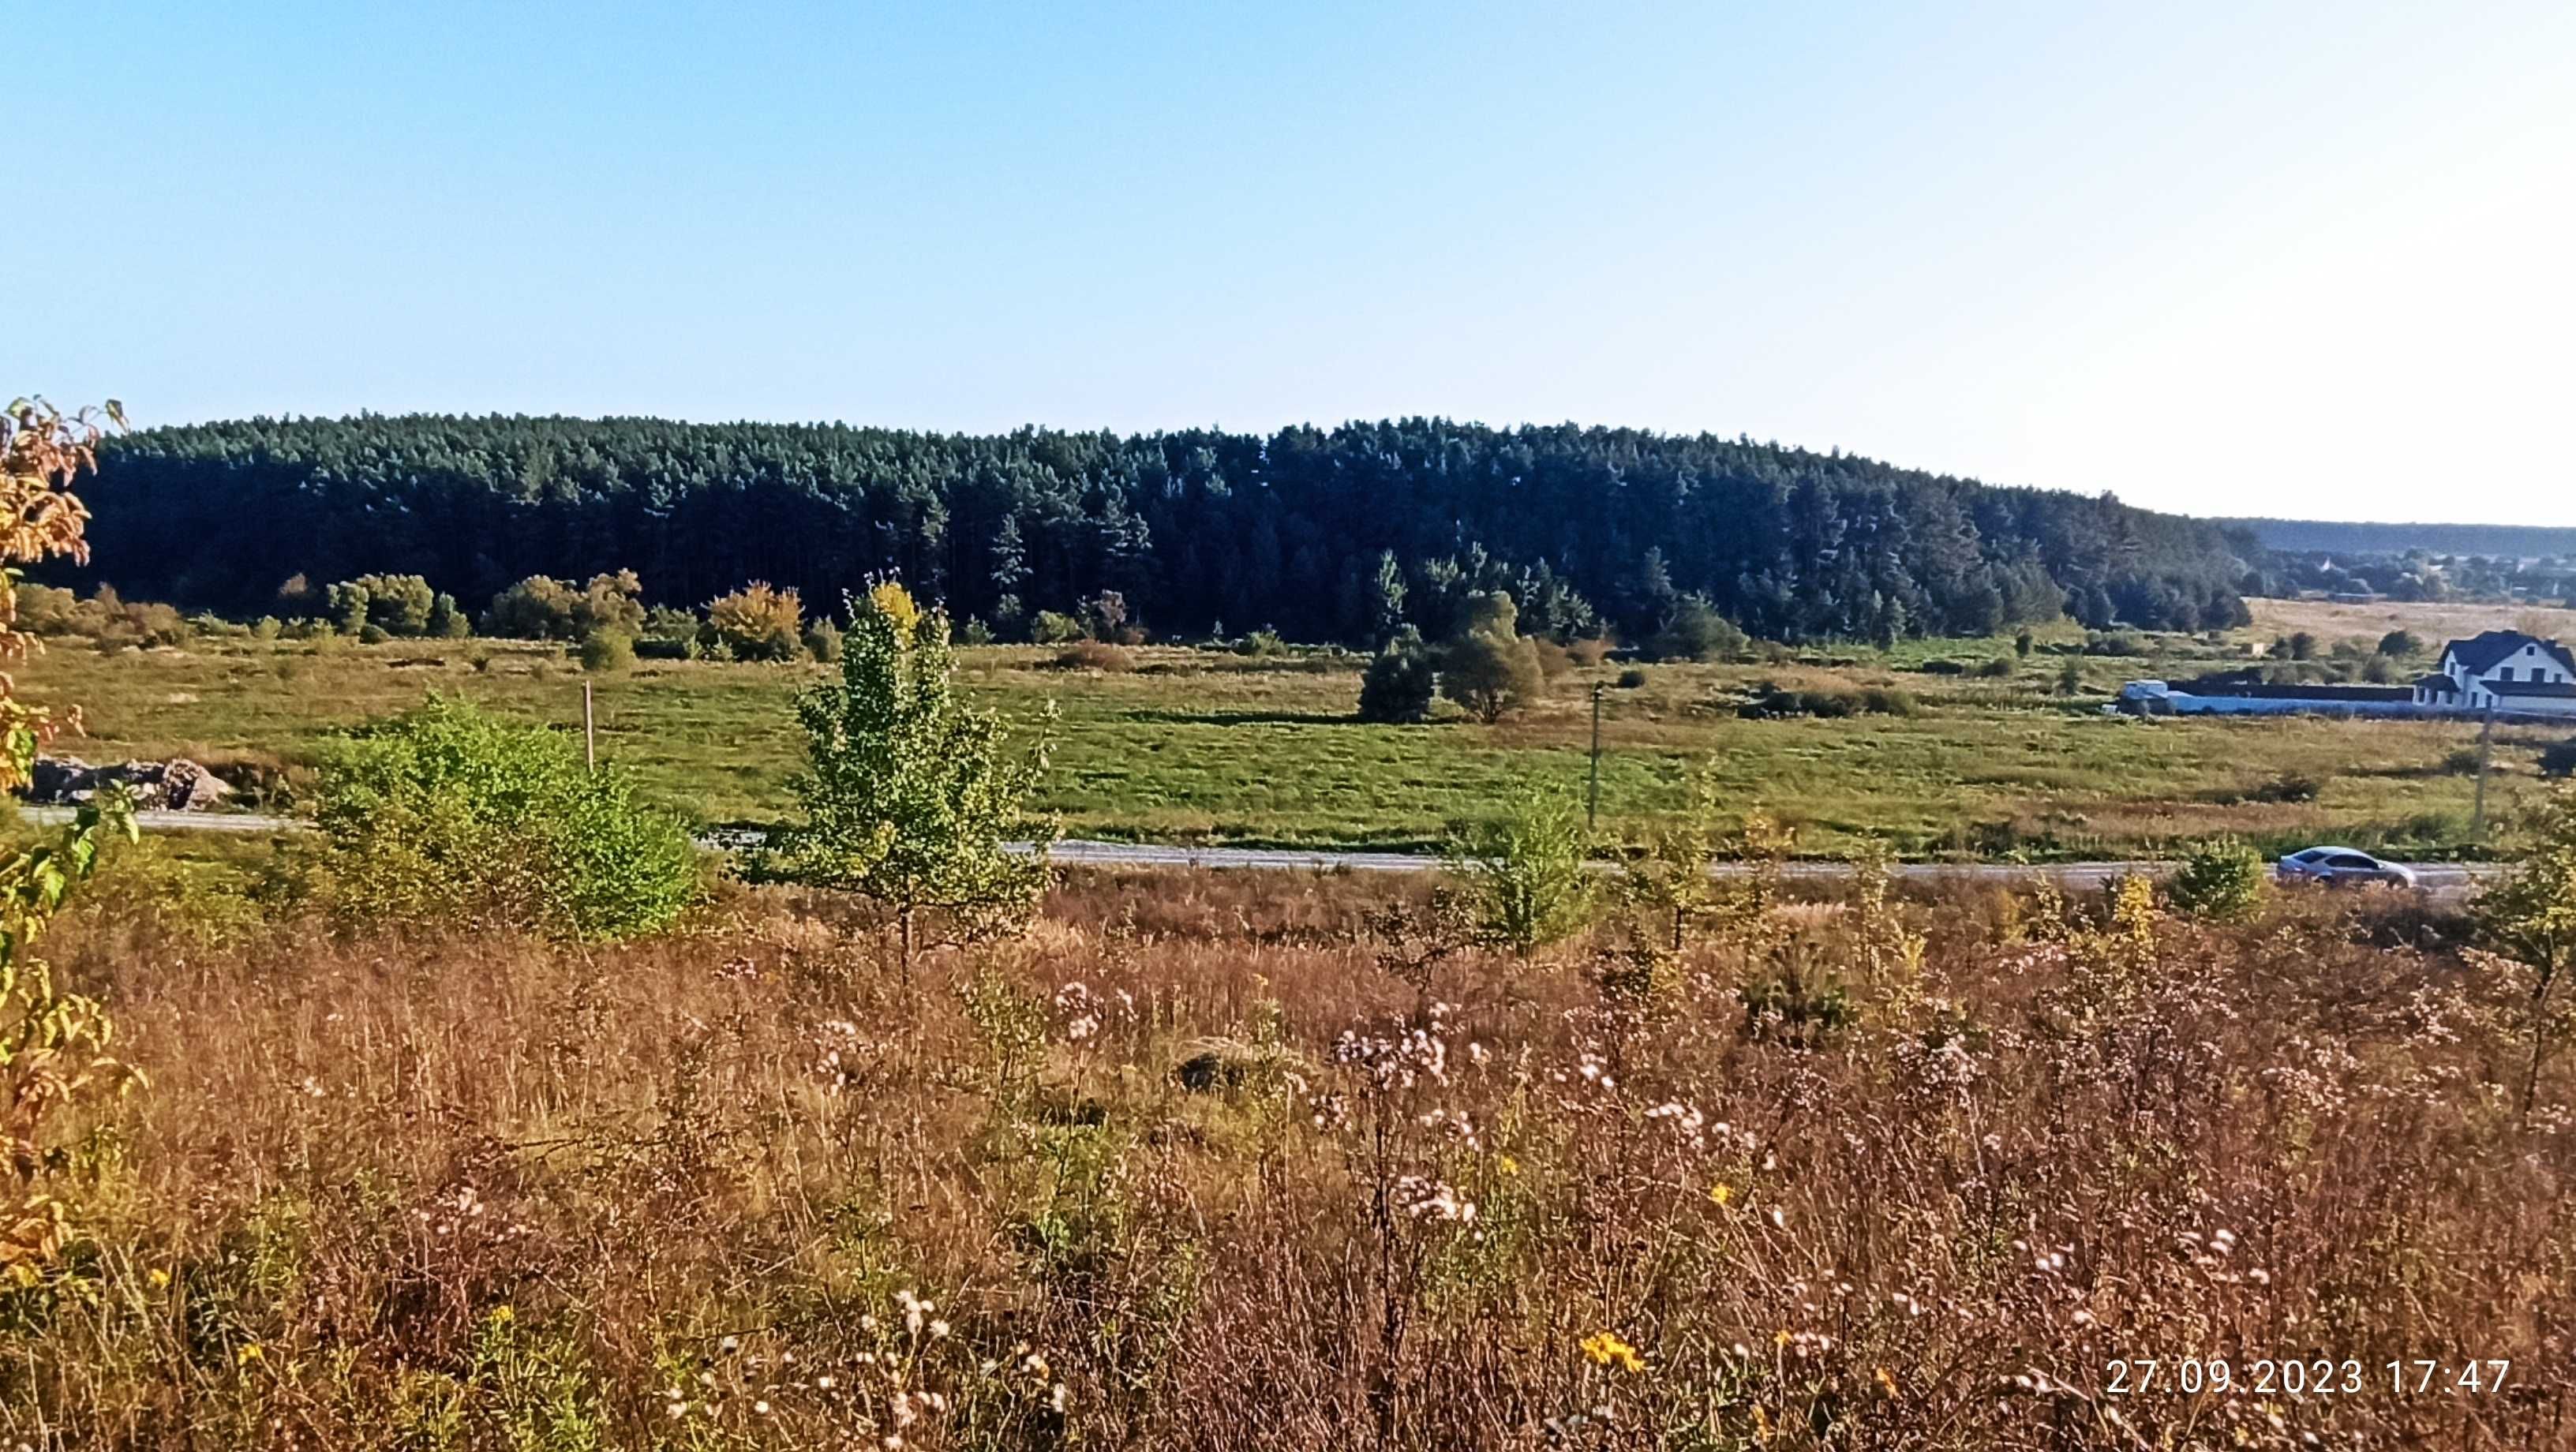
x: 53, y: 1043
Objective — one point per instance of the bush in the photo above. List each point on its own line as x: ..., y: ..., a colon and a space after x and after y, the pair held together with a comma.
x: 654, y: 647
x: 395, y: 604
x: 2290, y: 788
x: 823, y: 641
x: 373, y: 634
x: 1054, y: 627
x: 1399, y: 685
x: 2400, y: 643
x: 1526, y: 869
x: 758, y: 622
x: 1695, y: 631
x: 2559, y: 759
x: 1831, y: 703
x: 1888, y: 701
x: 1492, y: 675
x: 1264, y: 641
x: 1632, y: 679
x: 2220, y: 882
x: 605, y: 651
x: 446, y: 812
x: 974, y: 632
x: 1994, y: 670
x: 1094, y: 655
x: 541, y: 607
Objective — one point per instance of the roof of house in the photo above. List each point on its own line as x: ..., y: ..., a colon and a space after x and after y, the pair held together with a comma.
x: 2443, y: 684
x: 2563, y: 690
x: 2481, y: 652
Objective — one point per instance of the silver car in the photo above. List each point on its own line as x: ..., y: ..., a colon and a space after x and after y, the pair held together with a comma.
x: 2343, y: 867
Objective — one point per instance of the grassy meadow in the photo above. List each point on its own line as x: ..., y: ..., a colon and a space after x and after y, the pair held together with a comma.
x: 1206, y: 746
x: 1229, y: 1161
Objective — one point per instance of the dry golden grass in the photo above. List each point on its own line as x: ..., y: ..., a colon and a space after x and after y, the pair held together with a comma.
x: 2434, y: 623
x: 481, y: 1192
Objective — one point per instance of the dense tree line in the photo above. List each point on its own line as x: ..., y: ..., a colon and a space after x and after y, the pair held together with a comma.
x: 2352, y: 537
x: 1323, y: 534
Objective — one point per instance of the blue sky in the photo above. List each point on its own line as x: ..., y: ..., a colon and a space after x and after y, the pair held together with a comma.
x: 2309, y: 260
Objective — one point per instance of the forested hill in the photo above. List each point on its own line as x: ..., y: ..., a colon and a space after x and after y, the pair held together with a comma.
x: 2338, y: 537
x: 1195, y: 529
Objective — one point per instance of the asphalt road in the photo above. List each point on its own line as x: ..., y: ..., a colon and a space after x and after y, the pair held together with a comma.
x: 2434, y: 876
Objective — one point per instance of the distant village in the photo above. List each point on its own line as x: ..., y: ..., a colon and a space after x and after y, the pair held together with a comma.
x: 2502, y: 673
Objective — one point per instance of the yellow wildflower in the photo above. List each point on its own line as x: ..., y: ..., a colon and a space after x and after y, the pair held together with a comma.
x: 159, y: 1278
x: 249, y: 1353
x: 1761, y: 1424
x: 1887, y: 1379
x: 1508, y: 1165
x: 1722, y: 1193
x: 1606, y: 1349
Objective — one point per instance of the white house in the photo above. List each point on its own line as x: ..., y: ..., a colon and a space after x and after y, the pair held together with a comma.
x: 2503, y: 670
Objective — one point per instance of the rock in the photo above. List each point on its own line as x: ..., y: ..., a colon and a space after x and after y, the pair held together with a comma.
x: 178, y: 785
x: 189, y: 787
x: 56, y: 778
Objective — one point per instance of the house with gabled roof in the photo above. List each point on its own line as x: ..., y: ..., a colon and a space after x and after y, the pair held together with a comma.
x: 2504, y: 671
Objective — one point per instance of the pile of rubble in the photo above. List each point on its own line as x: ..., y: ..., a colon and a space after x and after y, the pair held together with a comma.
x: 176, y: 785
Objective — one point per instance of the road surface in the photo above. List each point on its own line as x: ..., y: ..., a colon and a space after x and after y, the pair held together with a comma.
x: 2434, y: 876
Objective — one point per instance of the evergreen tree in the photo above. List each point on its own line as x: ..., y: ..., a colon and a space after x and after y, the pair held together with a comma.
x: 1399, y: 684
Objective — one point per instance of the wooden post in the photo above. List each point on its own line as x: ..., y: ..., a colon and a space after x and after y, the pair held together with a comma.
x: 589, y: 731
x: 2486, y: 748
x: 1592, y: 799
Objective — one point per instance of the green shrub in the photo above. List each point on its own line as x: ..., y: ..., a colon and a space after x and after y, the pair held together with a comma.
x: 2559, y: 759
x: 1994, y: 670
x: 662, y: 647
x: 541, y: 607
x: 1526, y: 871
x: 372, y: 634
x: 823, y: 641
x: 1632, y: 679
x: 1398, y: 687
x: 1695, y: 631
x: 1054, y: 627
x: 1788, y: 1007
x: 446, y: 813
x: 2219, y: 881
x: 1095, y: 655
x: 1827, y: 702
x: 604, y: 651
x: 1491, y: 668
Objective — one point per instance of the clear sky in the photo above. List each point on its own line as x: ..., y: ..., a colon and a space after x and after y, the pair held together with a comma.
x: 2312, y: 260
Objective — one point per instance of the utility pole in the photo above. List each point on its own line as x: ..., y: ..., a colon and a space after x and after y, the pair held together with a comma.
x: 2486, y: 748
x: 1592, y: 799
x: 589, y: 731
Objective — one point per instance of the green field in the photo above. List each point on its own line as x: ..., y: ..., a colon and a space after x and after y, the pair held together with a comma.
x: 1203, y: 746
